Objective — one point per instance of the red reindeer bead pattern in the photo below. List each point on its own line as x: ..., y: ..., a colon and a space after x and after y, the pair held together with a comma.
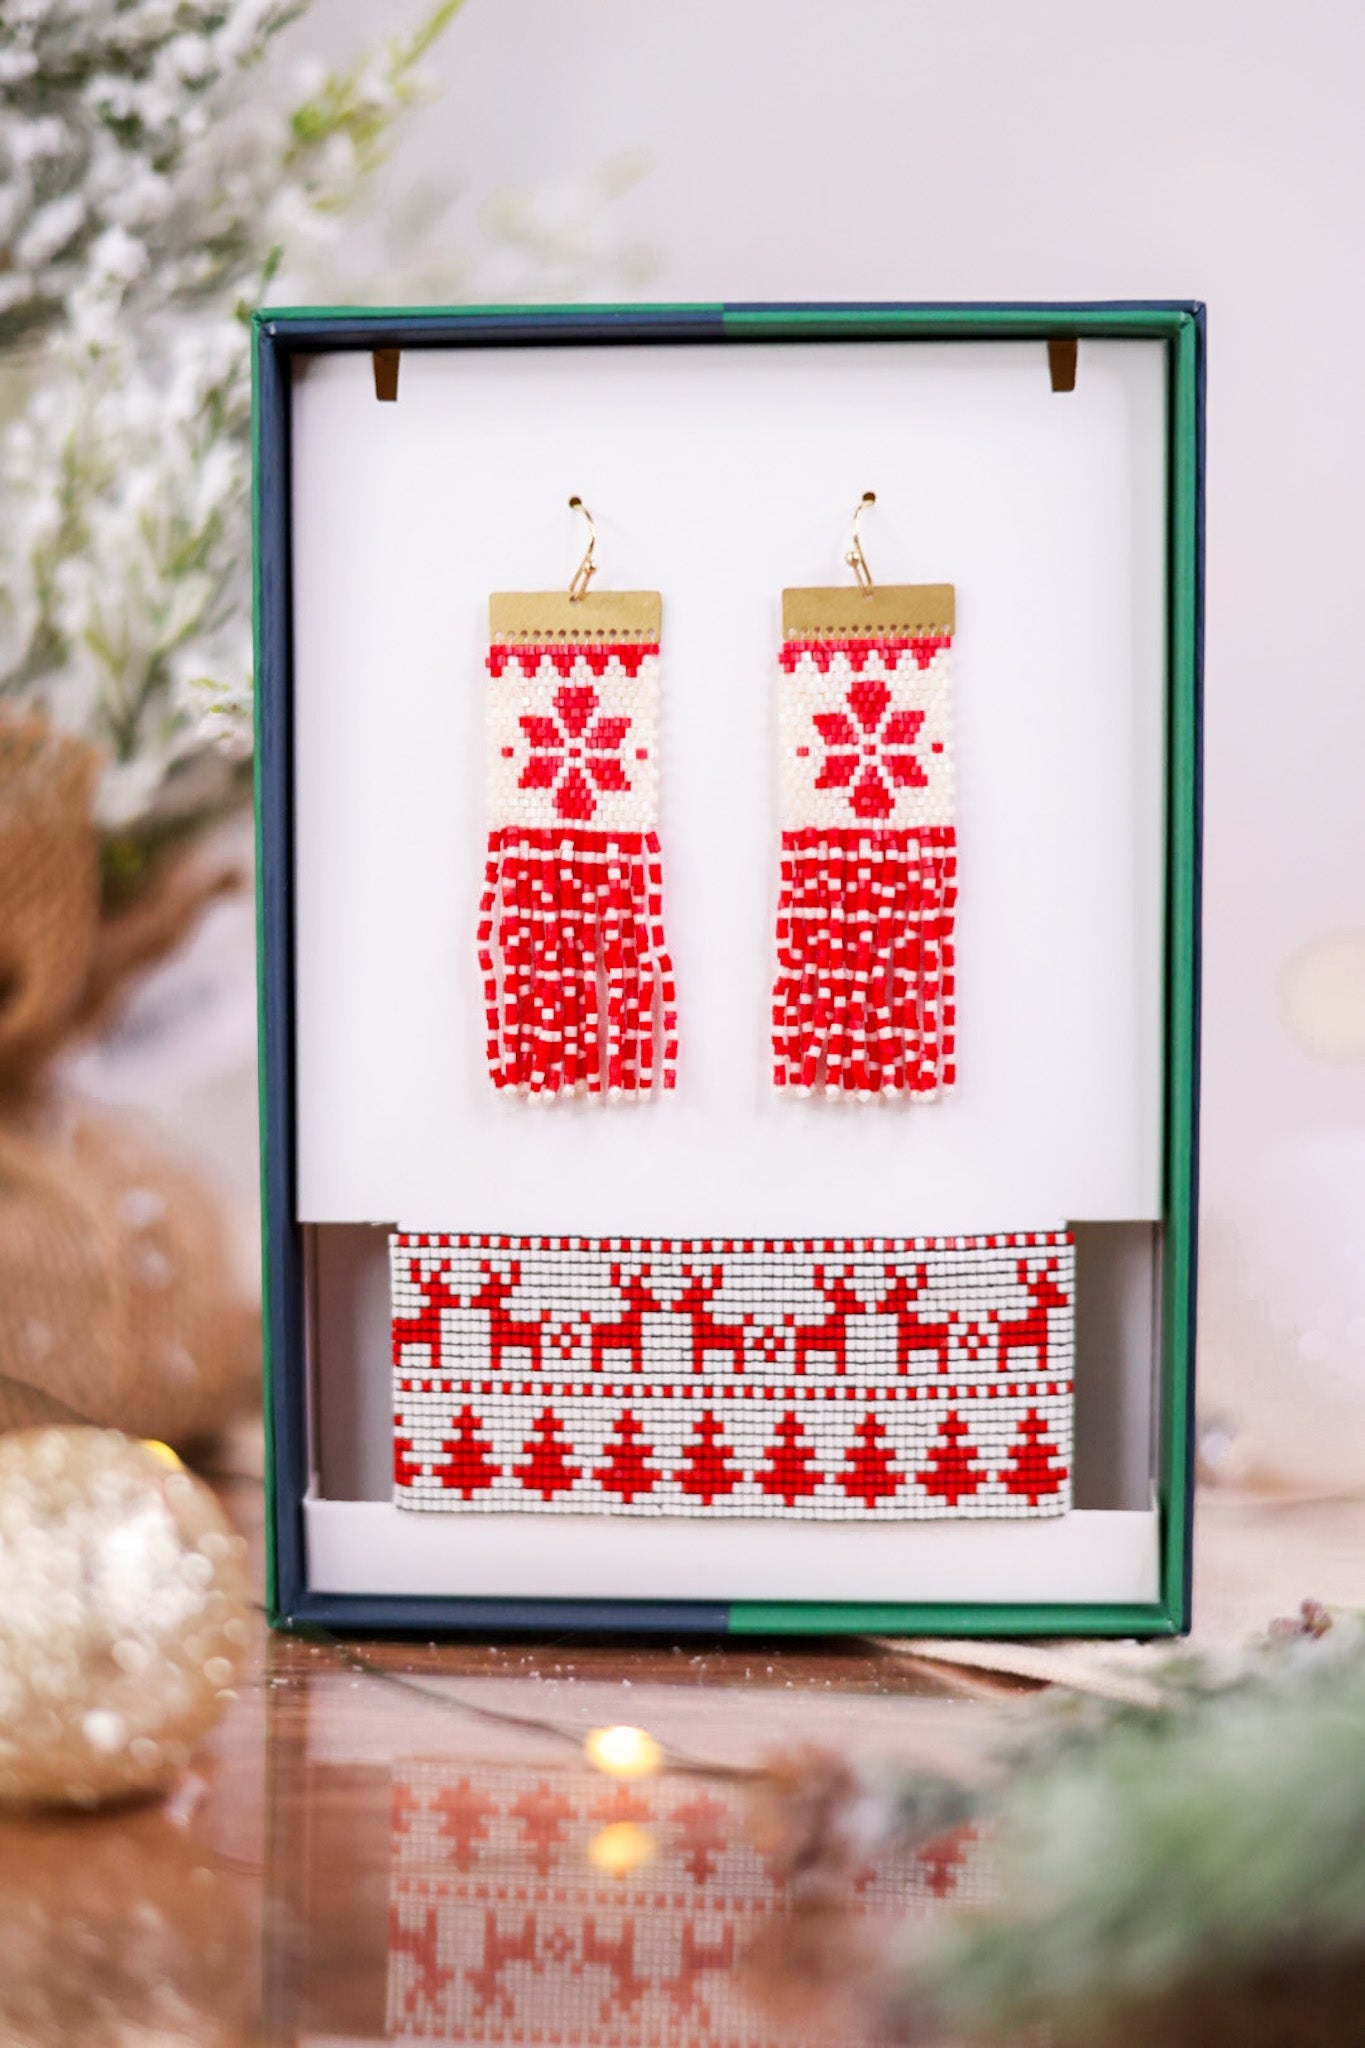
x: 578, y: 985
x: 502, y: 1928
x: 863, y: 1000
x: 891, y: 1379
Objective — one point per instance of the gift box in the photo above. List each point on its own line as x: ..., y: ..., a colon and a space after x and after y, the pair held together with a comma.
x: 729, y: 1080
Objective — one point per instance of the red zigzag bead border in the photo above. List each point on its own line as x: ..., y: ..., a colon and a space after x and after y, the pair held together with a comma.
x: 833, y: 1378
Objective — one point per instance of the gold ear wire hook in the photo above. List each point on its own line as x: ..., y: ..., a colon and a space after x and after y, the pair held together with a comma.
x: 856, y: 559
x: 587, y: 568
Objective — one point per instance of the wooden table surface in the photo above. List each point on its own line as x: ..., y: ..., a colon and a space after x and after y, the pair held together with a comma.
x: 359, y: 1857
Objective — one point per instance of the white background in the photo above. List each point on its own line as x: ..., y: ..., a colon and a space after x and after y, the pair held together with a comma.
x: 719, y: 475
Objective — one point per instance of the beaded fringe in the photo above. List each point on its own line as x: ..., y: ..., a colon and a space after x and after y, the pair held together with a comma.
x: 863, y: 1001
x: 578, y: 985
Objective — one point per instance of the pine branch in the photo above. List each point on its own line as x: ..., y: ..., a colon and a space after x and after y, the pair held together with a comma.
x: 1158, y: 1858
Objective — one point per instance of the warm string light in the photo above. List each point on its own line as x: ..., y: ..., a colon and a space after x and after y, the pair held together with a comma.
x: 620, y: 1848
x: 563, y: 1732
x: 623, y: 1752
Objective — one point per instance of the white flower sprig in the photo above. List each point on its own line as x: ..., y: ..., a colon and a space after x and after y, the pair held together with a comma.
x: 152, y: 187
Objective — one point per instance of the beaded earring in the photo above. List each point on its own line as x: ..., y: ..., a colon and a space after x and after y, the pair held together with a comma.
x: 863, y: 999
x: 578, y: 985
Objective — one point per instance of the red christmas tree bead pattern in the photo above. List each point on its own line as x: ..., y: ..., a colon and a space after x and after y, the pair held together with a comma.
x: 788, y: 1471
x: 406, y: 1468
x: 547, y: 1468
x: 940, y: 1863
x: 708, y: 1472
x: 953, y: 1470
x: 828, y: 1379
x: 463, y: 1812
x: 502, y: 1929
x: 467, y: 1467
x: 869, y: 1471
x: 628, y: 1468
x: 1033, y: 1470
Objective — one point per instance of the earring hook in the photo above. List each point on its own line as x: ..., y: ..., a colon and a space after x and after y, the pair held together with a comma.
x: 587, y: 568
x: 856, y: 559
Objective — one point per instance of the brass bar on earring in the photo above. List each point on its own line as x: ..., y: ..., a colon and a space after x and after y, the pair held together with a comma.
x: 844, y: 609
x: 555, y: 615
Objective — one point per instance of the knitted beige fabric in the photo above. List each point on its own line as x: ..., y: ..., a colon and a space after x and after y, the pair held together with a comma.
x: 49, y: 886
x: 117, y: 1302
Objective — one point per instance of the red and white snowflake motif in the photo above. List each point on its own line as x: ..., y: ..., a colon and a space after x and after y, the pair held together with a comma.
x: 872, y: 753
x: 573, y: 757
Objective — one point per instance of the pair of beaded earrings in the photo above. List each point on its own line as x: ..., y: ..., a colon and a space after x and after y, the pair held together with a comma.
x: 578, y: 985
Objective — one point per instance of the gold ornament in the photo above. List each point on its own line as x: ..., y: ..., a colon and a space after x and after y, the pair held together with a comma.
x: 132, y: 1936
x: 123, y: 1616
